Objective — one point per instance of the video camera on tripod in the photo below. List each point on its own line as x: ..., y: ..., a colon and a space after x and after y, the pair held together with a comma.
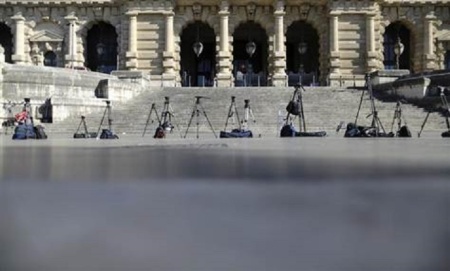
x: 376, y: 128
x: 295, y: 108
x: 443, y: 91
x: 242, y: 131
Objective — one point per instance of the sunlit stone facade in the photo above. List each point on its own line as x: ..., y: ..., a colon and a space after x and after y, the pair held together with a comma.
x: 315, y: 41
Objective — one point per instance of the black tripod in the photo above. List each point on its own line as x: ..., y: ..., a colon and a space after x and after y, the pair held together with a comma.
x: 196, y: 112
x: 232, y: 111
x: 149, y: 118
x: 296, y: 108
x: 248, y: 112
x: 399, y: 118
x: 446, y: 114
x: 168, y: 117
x: 376, y: 124
x: 86, y: 133
x: 106, y: 112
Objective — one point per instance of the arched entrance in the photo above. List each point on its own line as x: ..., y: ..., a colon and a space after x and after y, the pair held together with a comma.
x: 198, y: 55
x: 302, y: 53
x: 6, y: 41
x: 102, y: 48
x: 394, y: 33
x: 250, y: 54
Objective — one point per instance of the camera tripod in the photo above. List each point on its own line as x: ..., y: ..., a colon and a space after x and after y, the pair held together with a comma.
x: 398, y: 117
x: 446, y: 114
x: 298, y: 99
x: 232, y: 111
x: 248, y: 112
x: 196, y: 112
x: 376, y: 124
x: 106, y: 112
x: 86, y: 133
x: 149, y: 118
x: 168, y: 117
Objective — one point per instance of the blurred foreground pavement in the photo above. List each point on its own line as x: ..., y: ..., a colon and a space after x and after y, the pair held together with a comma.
x: 313, y: 204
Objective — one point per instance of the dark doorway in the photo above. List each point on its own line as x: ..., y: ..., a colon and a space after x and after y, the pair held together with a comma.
x: 447, y: 60
x: 393, y: 32
x: 302, y: 53
x: 6, y: 41
x: 102, y: 48
x: 254, y: 66
x: 198, y: 70
x: 50, y: 59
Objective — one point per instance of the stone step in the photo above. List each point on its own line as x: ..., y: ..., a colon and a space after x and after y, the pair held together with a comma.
x: 324, y: 109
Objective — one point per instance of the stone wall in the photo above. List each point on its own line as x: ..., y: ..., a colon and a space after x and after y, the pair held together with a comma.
x: 71, y: 91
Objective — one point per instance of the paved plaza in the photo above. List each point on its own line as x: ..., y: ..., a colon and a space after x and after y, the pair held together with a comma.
x: 225, y: 204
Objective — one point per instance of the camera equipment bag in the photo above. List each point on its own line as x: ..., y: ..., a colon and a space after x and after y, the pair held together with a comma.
x: 293, y: 108
x: 160, y: 133
x: 108, y: 134
x: 236, y: 133
x: 40, y: 133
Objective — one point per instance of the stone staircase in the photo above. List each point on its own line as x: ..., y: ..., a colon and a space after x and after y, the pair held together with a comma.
x: 324, y: 109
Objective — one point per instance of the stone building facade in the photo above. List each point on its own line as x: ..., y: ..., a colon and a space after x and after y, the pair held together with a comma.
x: 207, y: 42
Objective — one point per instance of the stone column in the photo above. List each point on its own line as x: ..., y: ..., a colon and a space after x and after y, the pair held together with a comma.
x: 224, y: 75
x: 169, y: 76
x: 72, y: 56
x: 19, y: 39
x: 131, y: 54
x: 370, y: 40
x: 429, y: 56
x: 335, y: 63
x: 279, y: 75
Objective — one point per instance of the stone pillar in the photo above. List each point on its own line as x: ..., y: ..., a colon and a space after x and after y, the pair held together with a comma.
x: 335, y: 63
x: 429, y: 56
x: 224, y: 75
x: 169, y: 76
x: 279, y: 75
x: 19, y: 39
x: 131, y: 54
x: 370, y: 41
x: 72, y: 59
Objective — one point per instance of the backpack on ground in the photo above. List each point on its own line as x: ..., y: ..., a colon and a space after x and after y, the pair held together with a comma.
x: 108, y: 134
x: 40, y: 133
x: 24, y: 131
x: 287, y: 131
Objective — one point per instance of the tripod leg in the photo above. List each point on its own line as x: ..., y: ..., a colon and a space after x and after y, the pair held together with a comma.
x: 109, y: 118
x: 101, y: 122
x: 423, y: 124
x: 190, y: 120
x: 359, y: 107
x: 148, y: 119
x: 207, y: 119
x: 302, y: 117
x: 175, y: 121
x: 237, y: 117
x: 394, y: 118
x: 85, y: 128
x: 230, y: 114
x: 198, y: 122
x: 79, y: 126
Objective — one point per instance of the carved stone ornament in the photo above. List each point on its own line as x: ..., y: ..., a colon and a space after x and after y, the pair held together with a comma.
x: 197, y: 11
x: 251, y: 10
x: 304, y: 11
